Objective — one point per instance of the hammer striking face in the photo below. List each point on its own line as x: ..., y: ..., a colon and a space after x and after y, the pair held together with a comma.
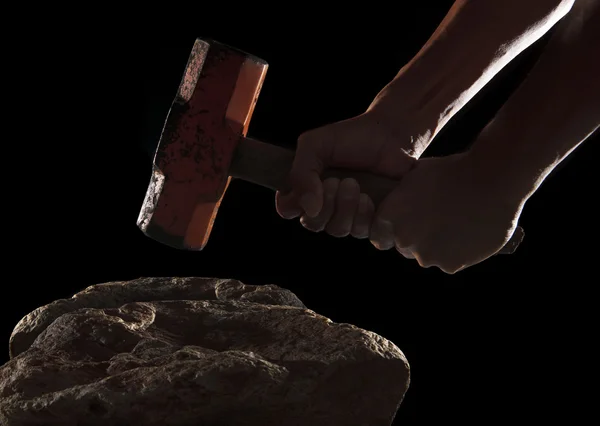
x: 208, y: 118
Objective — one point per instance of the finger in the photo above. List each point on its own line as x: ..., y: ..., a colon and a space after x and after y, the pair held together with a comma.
x: 305, y: 174
x: 451, y: 270
x: 381, y: 234
x: 405, y: 252
x: 346, y: 206
x: 426, y: 254
x: 318, y: 223
x: 423, y: 261
x: 387, y: 224
x: 364, y: 215
x: 444, y: 250
x: 287, y: 205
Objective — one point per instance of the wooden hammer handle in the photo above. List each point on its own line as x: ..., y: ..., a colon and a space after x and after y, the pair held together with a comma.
x: 269, y: 166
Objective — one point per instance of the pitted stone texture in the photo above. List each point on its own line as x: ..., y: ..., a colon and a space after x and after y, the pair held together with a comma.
x: 191, y: 351
x: 115, y: 294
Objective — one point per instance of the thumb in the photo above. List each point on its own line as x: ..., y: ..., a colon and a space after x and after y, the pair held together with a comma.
x: 311, y: 158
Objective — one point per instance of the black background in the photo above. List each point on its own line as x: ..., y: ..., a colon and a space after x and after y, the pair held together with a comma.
x: 88, y: 111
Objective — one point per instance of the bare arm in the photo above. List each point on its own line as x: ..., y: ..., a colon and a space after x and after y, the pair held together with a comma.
x: 554, y: 110
x: 473, y: 43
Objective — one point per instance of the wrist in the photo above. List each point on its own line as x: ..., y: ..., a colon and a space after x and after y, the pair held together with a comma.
x: 500, y: 164
x: 401, y: 109
x: 426, y: 93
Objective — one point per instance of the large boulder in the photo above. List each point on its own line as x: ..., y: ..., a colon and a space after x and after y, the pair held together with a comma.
x: 196, y: 351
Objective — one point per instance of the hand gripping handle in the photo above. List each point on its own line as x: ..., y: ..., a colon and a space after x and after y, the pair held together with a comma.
x: 269, y: 165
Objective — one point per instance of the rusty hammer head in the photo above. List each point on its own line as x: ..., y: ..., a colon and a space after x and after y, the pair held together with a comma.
x: 209, y: 116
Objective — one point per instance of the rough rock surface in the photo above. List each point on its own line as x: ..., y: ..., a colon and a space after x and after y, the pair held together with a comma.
x: 196, y: 351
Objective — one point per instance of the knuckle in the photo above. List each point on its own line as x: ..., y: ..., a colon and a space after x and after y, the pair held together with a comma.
x: 308, y: 140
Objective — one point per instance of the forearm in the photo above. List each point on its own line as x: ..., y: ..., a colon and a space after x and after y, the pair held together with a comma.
x: 554, y: 110
x: 473, y: 43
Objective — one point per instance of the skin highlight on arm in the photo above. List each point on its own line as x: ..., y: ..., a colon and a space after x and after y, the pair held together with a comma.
x: 553, y: 112
x: 474, y: 42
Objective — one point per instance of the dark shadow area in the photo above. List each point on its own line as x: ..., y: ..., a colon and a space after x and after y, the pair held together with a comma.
x: 480, y: 342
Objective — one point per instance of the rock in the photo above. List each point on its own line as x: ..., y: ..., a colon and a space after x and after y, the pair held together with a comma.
x: 196, y: 351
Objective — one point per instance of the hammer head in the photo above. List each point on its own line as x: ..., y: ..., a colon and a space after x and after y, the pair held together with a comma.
x: 209, y: 116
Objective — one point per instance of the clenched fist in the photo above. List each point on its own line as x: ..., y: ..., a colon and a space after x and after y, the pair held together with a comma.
x: 363, y: 143
x: 447, y: 212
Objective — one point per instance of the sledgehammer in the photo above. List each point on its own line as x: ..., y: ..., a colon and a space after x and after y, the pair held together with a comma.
x: 204, y: 145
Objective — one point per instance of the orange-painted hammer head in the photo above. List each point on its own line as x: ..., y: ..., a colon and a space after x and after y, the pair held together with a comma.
x: 207, y: 119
